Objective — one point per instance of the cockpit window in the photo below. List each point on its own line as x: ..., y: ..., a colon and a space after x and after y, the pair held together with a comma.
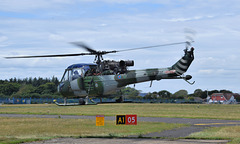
x: 73, y: 72
x: 90, y: 70
x: 76, y: 73
x: 65, y: 76
x: 85, y: 68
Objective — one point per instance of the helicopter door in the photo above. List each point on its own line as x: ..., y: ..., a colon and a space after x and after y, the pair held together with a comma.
x: 64, y: 86
x: 76, y: 80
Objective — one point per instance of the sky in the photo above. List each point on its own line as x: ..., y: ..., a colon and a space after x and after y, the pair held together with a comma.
x: 42, y: 27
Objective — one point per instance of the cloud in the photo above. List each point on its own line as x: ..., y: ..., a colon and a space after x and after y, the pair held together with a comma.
x: 22, y: 5
x: 212, y: 71
x: 28, y: 5
x: 184, y: 19
x: 45, y: 27
x: 3, y: 38
x: 56, y: 37
x: 126, y: 1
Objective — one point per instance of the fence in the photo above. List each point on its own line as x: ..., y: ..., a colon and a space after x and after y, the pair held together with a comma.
x: 26, y: 100
x: 97, y: 100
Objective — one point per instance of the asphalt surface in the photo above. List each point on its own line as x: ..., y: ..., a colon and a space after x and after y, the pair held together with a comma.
x: 126, y: 141
x: 196, y: 125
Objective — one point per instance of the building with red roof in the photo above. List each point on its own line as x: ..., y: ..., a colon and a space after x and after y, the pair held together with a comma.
x: 222, y: 98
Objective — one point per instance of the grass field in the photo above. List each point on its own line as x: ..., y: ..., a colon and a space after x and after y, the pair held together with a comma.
x: 27, y: 129
x: 216, y: 111
x: 227, y: 132
x: 16, y: 130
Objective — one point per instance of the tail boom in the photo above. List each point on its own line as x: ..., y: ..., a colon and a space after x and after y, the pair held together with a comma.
x: 174, y: 72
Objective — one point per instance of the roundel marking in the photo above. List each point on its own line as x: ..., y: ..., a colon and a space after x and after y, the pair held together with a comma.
x: 119, y: 77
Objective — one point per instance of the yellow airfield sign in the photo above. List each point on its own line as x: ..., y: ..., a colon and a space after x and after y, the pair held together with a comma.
x: 120, y: 119
x: 99, y: 120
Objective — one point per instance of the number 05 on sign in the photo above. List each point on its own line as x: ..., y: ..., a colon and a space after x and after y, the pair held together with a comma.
x: 131, y: 119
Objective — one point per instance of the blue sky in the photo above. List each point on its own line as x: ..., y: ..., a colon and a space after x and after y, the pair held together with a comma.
x: 39, y: 27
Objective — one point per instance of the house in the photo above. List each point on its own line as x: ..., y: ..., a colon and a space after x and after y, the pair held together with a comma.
x: 222, y: 98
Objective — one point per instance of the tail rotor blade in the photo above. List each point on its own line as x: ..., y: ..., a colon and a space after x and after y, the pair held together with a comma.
x: 189, y: 34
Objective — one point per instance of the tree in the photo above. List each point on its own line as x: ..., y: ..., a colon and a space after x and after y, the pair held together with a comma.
x: 164, y: 94
x: 9, y: 88
x: 55, y: 80
x: 191, y: 98
x: 155, y: 95
x: 25, y: 91
x: 48, y: 88
x: 181, y: 94
x: 198, y: 93
x: 212, y: 91
x: 225, y: 91
x: 29, y: 87
x: 237, y: 97
x: 131, y: 93
x: 35, y: 82
x: 148, y: 96
x: 204, y: 94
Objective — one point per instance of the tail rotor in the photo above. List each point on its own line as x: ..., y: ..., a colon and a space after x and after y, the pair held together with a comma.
x: 189, y: 36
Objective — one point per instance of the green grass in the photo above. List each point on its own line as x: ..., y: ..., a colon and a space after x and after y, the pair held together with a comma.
x: 16, y: 140
x: 15, y: 130
x: 227, y: 132
x: 215, y: 111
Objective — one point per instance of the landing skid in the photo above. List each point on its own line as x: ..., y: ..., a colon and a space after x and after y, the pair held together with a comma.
x: 71, y: 104
x: 67, y: 104
x: 81, y: 102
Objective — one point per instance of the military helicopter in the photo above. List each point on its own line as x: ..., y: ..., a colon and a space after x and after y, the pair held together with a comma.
x: 104, y: 77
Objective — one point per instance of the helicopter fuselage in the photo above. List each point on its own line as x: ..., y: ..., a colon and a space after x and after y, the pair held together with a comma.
x: 106, y: 76
x: 107, y: 82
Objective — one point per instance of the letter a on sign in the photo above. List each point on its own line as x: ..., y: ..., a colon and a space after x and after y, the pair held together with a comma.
x: 120, y: 119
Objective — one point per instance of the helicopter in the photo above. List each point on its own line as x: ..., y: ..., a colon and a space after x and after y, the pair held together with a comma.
x: 104, y: 77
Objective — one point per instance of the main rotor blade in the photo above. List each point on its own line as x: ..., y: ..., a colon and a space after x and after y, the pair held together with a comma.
x: 98, y: 53
x: 82, y: 45
x: 59, y: 55
x: 147, y: 47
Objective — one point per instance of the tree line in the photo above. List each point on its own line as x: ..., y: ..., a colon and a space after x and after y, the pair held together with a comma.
x: 47, y: 88
x: 183, y: 94
x: 132, y: 93
x: 29, y: 87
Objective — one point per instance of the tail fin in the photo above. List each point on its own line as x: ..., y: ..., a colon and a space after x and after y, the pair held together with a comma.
x: 183, y: 64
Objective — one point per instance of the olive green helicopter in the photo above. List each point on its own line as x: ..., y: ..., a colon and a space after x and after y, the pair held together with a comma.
x: 105, y: 77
